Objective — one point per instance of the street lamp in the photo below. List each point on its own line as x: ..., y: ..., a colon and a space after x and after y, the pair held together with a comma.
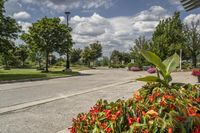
x: 67, y: 52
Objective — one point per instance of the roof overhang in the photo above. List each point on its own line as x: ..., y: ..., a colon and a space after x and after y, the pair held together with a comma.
x: 190, y: 4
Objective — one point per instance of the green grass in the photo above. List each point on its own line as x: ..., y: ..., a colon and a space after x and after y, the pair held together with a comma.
x: 18, y: 74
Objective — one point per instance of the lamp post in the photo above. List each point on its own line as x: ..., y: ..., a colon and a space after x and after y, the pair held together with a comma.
x: 67, y: 52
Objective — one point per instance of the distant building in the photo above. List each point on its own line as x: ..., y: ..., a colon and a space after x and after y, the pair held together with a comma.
x: 190, y: 4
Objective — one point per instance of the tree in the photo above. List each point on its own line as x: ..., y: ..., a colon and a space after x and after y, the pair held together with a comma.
x: 116, y: 57
x: 86, y: 55
x: 91, y: 53
x: 96, y: 50
x: 192, y: 45
x: 8, y: 32
x: 22, y: 52
x: 168, y: 36
x: 140, y: 43
x: 75, y: 55
x: 45, y: 35
x: 66, y: 44
x: 105, y: 61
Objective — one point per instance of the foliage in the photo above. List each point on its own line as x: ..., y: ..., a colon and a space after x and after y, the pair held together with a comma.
x: 8, y: 32
x: 19, y: 74
x: 46, y: 35
x: 140, y: 43
x: 91, y: 53
x: 152, y: 109
x: 75, y: 55
x: 22, y: 52
x: 163, y: 68
x: 116, y: 57
x: 105, y: 61
x: 168, y: 37
x: 192, y: 45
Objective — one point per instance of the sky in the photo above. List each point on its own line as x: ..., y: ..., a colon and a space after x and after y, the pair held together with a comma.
x: 115, y: 23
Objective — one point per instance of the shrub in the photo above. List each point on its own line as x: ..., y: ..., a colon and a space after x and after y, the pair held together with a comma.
x: 157, y: 107
x: 130, y: 65
x: 135, y: 69
x: 151, y: 70
x: 196, y: 72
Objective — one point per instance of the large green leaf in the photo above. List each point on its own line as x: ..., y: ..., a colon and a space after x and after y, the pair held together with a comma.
x: 171, y: 63
x: 149, y: 79
x: 154, y: 59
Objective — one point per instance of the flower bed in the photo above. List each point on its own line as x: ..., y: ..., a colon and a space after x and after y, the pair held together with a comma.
x: 158, y: 107
x: 152, y: 109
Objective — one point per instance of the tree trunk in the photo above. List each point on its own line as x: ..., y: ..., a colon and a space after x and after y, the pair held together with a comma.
x: 47, y: 62
x: 39, y: 63
x: 6, y: 62
x: 194, y: 60
x: 23, y: 63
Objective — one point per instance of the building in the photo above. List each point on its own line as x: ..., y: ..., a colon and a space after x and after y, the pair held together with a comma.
x: 190, y: 4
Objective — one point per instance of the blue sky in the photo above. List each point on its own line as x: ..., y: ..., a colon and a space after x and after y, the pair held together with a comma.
x: 115, y: 23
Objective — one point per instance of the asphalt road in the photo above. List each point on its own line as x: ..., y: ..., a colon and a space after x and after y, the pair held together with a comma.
x: 75, y: 94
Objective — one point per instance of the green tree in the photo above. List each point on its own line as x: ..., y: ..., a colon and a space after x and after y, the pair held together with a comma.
x: 140, y: 43
x: 168, y: 36
x: 116, y: 57
x: 22, y: 52
x: 9, y: 30
x: 75, y: 55
x: 91, y: 53
x: 86, y: 55
x: 192, y: 45
x: 66, y: 43
x: 96, y: 50
x: 45, y: 35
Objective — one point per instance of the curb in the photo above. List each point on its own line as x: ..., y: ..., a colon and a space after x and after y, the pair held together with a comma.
x: 35, y: 79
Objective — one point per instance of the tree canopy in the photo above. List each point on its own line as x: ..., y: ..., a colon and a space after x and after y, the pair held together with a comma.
x: 47, y: 35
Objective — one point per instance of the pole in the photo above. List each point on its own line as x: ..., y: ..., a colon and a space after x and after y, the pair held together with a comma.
x: 180, y: 59
x: 67, y: 50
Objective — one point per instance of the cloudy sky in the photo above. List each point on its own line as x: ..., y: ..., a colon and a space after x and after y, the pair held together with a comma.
x: 115, y: 23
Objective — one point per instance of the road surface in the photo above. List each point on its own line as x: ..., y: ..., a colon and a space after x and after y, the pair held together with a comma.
x: 48, y: 106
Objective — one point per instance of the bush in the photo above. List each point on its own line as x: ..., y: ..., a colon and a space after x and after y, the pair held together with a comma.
x: 135, y: 69
x: 151, y: 70
x: 196, y: 72
x: 152, y: 109
x: 117, y: 66
x: 130, y: 65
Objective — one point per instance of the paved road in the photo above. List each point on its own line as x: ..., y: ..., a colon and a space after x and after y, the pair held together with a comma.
x: 56, y: 115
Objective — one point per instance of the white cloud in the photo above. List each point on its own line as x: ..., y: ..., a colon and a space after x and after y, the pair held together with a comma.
x: 21, y: 15
x: 117, y: 32
x: 25, y: 25
x: 191, y: 18
x: 62, y: 5
x: 62, y: 19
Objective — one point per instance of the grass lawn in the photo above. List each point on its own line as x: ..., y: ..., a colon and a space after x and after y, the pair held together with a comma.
x: 17, y: 74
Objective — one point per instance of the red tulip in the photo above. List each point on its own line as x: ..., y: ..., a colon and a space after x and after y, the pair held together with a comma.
x: 170, y: 130
x: 72, y: 130
x: 192, y: 111
x: 151, y: 98
x: 108, y: 130
x: 138, y: 119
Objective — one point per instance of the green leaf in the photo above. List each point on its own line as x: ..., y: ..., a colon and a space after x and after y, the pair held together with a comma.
x: 154, y: 59
x: 171, y: 63
x: 149, y: 79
